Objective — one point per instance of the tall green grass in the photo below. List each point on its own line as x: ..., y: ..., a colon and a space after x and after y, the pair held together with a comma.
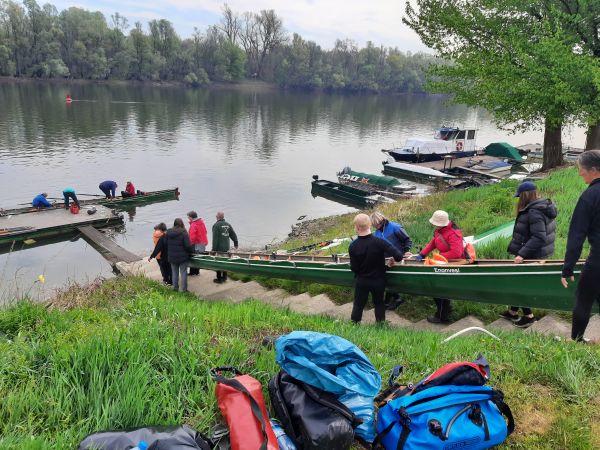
x: 64, y: 374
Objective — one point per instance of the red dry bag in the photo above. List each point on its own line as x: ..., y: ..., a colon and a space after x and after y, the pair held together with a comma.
x: 242, y: 404
x: 74, y: 209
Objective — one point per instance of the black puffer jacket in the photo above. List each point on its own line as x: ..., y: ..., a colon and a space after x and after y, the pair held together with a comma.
x: 178, y: 246
x: 535, y: 230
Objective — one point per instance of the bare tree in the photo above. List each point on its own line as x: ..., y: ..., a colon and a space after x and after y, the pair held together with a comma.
x: 119, y: 22
x: 260, y: 35
x: 230, y: 24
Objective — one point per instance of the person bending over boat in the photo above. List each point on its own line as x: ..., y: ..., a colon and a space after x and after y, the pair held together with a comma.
x: 448, y: 240
x: 367, y: 261
x: 40, y: 201
x: 179, y: 250
x: 160, y: 252
x: 222, y: 232
x: 109, y: 188
x: 533, y: 238
x: 585, y: 223
x: 69, y: 194
x: 198, y: 236
x: 397, y: 236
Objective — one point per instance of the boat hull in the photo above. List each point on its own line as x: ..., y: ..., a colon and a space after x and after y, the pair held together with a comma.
x: 347, y: 195
x: 535, y: 285
x: 427, y: 157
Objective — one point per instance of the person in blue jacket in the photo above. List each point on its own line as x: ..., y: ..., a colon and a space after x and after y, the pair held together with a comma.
x: 109, y: 188
x: 393, y: 233
x: 40, y: 201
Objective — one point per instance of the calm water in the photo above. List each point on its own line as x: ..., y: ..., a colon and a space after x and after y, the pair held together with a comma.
x: 251, y: 154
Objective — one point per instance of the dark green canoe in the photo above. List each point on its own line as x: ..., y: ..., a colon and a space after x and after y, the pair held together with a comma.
x: 533, y: 284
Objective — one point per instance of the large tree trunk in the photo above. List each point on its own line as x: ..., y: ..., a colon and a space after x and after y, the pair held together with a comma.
x: 552, y: 147
x: 592, y: 140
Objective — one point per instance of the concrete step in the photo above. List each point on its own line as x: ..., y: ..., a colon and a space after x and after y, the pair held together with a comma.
x: 273, y: 297
x: 396, y: 320
x: 551, y: 325
x: 423, y: 325
x: 313, y: 305
x: 465, y: 322
x: 238, y: 292
x: 502, y: 325
x: 299, y: 299
x: 593, y: 329
x: 204, y: 287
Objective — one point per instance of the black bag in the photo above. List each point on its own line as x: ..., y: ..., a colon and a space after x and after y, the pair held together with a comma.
x: 157, y: 438
x: 311, y: 417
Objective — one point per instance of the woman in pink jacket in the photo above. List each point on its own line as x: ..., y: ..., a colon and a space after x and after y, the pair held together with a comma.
x: 448, y: 240
x: 198, y: 236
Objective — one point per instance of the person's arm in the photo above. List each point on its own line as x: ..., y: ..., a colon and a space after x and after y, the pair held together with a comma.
x: 202, y: 233
x: 233, y: 236
x: 389, y: 249
x: 214, y: 237
x: 404, y: 239
x: 537, y: 234
x: 114, y: 190
x: 193, y: 232
x: 428, y: 248
x: 45, y: 202
x: 158, y: 248
x: 354, y: 263
x: 578, y: 231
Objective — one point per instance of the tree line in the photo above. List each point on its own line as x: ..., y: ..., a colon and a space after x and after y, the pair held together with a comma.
x: 532, y: 63
x: 41, y: 42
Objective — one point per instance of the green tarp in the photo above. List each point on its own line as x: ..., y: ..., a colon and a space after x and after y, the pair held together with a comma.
x: 378, y: 180
x: 503, y: 150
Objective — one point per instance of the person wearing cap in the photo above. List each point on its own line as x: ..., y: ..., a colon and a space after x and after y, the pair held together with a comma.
x: 533, y: 238
x: 448, y: 240
x: 40, y: 201
x: 368, y: 263
x: 585, y: 224
x: 399, y: 238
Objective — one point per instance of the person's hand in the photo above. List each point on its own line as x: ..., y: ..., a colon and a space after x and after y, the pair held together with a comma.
x: 407, y: 254
x: 419, y: 257
x: 565, y: 283
x: 518, y: 259
x: 390, y: 262
x: 149, y: 258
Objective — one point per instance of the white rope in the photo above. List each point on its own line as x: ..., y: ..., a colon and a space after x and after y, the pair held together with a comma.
x: 483, y: 330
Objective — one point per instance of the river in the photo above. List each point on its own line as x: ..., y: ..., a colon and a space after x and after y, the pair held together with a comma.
x: 250, y: 153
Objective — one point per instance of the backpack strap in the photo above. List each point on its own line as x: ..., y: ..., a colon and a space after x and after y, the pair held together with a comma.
x: 235, y: 384
x: 498, y: 399
x: 404, y: 422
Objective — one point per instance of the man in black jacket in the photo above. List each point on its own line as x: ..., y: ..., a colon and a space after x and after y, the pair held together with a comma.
x: 585, y: 223
x: 367, y: 261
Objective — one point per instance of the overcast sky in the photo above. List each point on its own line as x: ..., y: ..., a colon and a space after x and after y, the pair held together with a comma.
x: 322, y: 21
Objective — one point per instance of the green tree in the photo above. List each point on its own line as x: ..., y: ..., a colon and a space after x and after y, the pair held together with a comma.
x: 520, y: 67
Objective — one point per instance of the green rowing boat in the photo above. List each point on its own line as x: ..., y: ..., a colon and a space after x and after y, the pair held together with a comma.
x: 534, y: 284
x: 116, y: 203
x: 347, y: 195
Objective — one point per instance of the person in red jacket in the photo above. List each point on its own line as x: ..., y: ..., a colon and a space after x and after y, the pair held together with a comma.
x: 198, y: 236
x: 448, y: 240
x: 129, y: 190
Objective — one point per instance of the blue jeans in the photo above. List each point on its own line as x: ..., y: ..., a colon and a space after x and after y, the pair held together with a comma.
x: 177, y: 271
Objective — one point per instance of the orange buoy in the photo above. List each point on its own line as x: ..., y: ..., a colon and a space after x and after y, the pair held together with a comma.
x: 69, y: 100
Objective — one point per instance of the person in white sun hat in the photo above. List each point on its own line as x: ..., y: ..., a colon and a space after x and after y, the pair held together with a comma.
x: 448, y: 240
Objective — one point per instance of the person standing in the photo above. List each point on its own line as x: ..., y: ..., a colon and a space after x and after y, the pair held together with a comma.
x: 179, y: 249
x: 198, y: 236
x: 161, y: 251
x: 109, y: 188
x: 585, y: 223
x: 40, y: 201
x: 367, y: 261
x: 222, y: 232
x: 397, y: 236
x: 69, y: 194
x: 533, y: 238
x: 448, y: 240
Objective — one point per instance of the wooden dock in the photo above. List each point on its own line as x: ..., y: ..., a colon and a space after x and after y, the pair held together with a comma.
x: 108, y: 248
x: 22, y: 227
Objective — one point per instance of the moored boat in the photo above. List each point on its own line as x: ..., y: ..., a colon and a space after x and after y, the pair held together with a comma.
x: 117, y: 203
x: 376, y: 184
x: 534, y: 283
x: 447, y: 141
x: 347, y: 195
x: 414, y: 172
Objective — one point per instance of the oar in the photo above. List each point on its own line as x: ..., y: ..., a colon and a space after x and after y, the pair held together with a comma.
x: 91, y: 195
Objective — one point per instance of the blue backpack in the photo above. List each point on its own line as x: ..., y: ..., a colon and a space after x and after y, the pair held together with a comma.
x: 449, y: 410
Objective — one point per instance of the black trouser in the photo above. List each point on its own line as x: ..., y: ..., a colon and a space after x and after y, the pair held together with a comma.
x: 107, y: 192
x: 126, y: 194
x: 221, y: 275
x: 165, y: 270
x: 194, y: 271
x: 362, y: 288
x: 588, y: 292
x: 526, y: 311
x: 70, y: 195
x: 444, y: 308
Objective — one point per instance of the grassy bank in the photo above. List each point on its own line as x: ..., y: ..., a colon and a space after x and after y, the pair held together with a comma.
x: 474, y: 210
x: 132, y: 353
